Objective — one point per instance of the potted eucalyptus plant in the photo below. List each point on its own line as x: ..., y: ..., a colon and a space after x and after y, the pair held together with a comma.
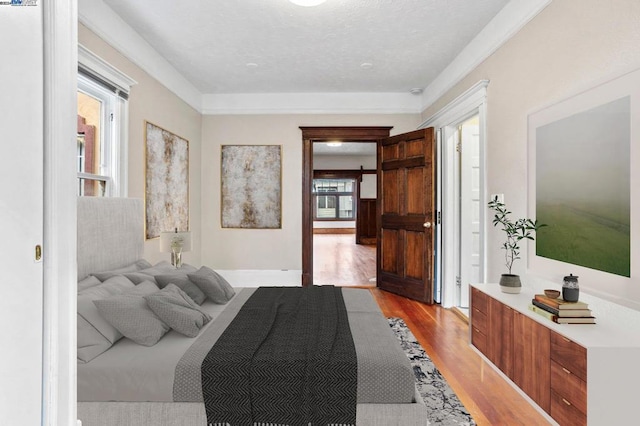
x: 515, y: 232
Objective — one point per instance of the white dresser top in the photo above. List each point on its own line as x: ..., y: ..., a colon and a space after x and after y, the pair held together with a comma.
x: 616, y: 326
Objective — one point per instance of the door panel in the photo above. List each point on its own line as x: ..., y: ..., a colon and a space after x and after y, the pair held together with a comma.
x: 416, y: 187
x: 390, y: 245
x: 390, y: 191
x: 469, y: 207
x: 22, y: 214
x: 406, y: 183
x: 414, y: 258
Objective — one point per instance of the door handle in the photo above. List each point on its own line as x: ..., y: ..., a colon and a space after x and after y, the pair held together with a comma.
x: 427, y: 224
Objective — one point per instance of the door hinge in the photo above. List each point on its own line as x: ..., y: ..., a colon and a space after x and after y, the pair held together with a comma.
x: 458, y: 281
x: 38, y: 254
x: 439, y: 218
x: 459, y: 147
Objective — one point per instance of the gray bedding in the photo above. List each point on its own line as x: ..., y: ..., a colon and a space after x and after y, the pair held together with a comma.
x: 170, y: 370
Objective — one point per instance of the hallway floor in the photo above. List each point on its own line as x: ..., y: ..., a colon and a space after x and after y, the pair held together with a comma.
x: 338, y: 260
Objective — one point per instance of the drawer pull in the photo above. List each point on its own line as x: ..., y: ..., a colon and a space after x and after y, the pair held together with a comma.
x: 565, y: 401
x: 566, y: 371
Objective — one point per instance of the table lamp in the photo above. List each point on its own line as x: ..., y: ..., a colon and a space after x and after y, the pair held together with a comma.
x: 175, y: 243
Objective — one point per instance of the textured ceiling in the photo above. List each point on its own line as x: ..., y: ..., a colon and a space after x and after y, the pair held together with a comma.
x: 274, y: 46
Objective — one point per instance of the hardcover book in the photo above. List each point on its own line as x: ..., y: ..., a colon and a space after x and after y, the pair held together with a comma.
x: 542, y: 312
x: 582, y: 320
x: 560, y: 303
x: 563, y: 312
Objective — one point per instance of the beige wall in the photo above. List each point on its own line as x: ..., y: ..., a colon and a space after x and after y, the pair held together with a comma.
x: 571, y: 46
x: 271, y: 248
x: 151, y: 101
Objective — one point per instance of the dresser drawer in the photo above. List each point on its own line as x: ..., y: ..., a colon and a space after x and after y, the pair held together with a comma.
x: 479, y: 300
x: 569, y: 355
x: 479, y: 340
x: 479, y: 320
x: 568, y: 386
x: 565, y: 413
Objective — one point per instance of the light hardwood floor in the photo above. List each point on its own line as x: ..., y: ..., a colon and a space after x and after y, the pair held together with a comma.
x: 338, y: 260
x: 441, y: 332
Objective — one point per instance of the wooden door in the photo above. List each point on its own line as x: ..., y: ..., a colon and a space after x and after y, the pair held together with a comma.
x: 406, y: 190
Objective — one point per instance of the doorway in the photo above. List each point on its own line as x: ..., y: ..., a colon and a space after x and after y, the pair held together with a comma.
x: 461, y: 139
x: 344, y: 213
x: 311, y: 136
x: 468, y: 210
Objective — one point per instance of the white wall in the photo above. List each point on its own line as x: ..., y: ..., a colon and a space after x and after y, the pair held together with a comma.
x: 151, y: 101
x: 267, y: 248
x: 344, y: 162
x: 571, y: 46
x: 368, y: 186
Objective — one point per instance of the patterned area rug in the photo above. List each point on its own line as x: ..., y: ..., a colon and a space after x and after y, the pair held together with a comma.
x: 442, y: 403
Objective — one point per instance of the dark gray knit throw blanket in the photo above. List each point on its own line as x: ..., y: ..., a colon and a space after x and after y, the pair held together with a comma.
x: 287, y: 358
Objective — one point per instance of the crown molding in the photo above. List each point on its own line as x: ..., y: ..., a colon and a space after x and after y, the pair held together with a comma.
x: 311, y: 103
x: 515, y: 15
x: 103, y: 21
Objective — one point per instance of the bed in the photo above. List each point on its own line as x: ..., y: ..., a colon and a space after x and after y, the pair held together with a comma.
x: 133, y: 384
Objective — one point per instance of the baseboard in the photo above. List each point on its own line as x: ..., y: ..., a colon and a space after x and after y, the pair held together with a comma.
x: 334, y: 230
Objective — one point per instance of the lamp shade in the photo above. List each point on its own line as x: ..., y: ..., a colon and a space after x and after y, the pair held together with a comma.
x: 181, y: 239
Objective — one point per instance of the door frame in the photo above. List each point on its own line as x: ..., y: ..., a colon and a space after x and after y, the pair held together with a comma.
x: 370, y: 134
x: 60, y: 49
x: 472, y: 101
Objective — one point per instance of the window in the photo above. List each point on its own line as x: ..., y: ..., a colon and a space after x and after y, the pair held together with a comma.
x: 103, y: 94
x: 333, y: 199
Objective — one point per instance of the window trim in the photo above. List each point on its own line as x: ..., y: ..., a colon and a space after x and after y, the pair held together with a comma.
x: 337, y: 195
x: 117, y: 155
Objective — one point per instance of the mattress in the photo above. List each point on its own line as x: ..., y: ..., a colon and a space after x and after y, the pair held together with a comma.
x: 129, y: 372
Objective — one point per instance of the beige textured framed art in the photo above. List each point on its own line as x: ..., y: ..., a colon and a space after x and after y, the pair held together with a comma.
x: 251, y: 186
x: 166, y: 181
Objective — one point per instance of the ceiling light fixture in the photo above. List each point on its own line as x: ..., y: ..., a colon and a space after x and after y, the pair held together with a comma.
x: 307, y: 3
x: 336, y: 143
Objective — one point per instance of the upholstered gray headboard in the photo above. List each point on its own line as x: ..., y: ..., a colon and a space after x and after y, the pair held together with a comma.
x: 110, y: 233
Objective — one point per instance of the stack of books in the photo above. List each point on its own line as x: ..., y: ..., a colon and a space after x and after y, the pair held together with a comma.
x: 561, y: 311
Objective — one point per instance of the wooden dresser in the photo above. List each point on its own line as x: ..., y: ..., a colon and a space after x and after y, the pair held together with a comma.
x: 578, y: 374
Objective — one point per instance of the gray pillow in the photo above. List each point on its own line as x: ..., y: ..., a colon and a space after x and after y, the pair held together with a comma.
x: 213, y: 285
x: 114, y: 285
x: 160, y: 268
x: 95, y: 335
x: 105, y: 275
x: 175, y: 307
x: 131, y: 316
x: 183, y: 282
x: 88, y: 282
x: 139, y: 277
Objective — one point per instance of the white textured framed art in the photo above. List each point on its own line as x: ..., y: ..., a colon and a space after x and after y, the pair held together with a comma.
x: 166, y: 181
x: 251, y: 186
